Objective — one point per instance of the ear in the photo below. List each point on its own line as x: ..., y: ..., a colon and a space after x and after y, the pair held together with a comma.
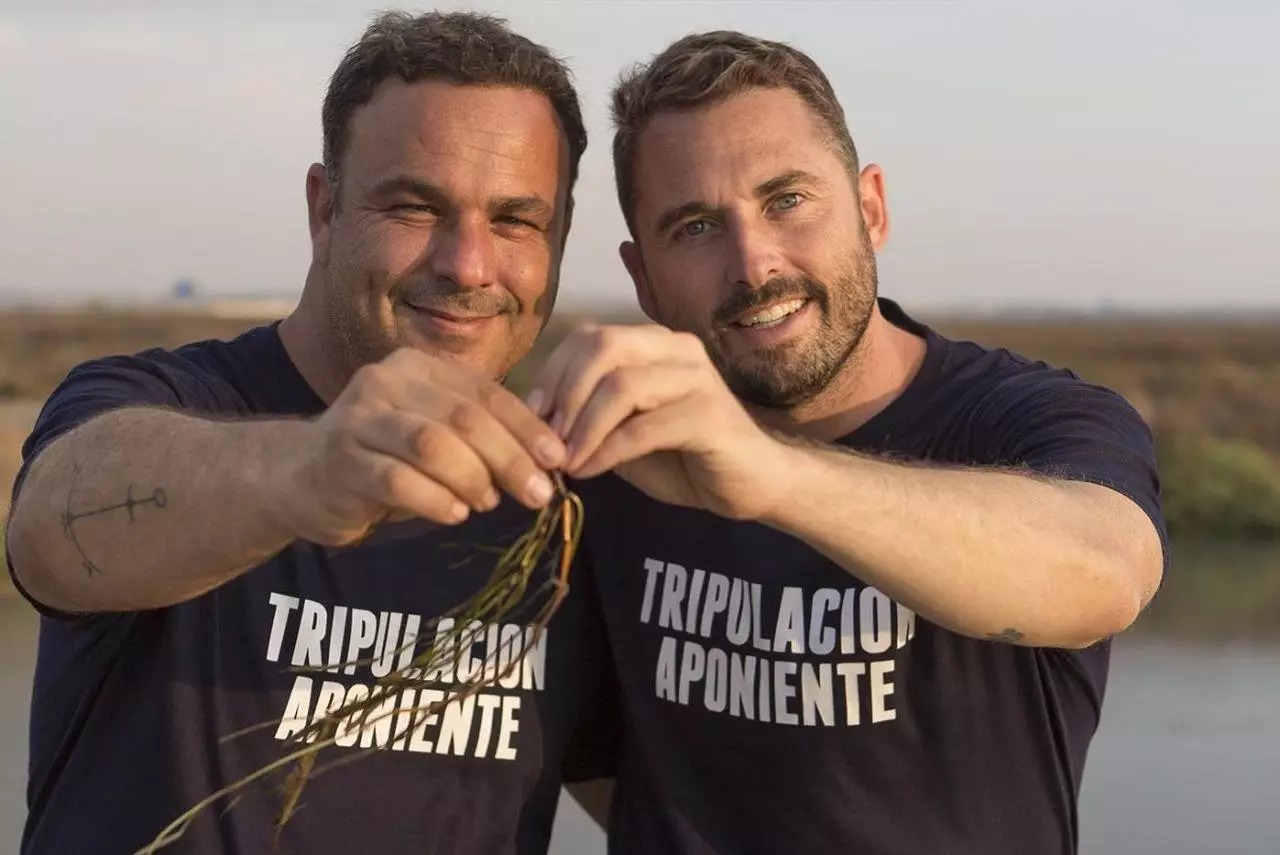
x: 635, y: 267
x: 320, y: 209
x: 875, y: 208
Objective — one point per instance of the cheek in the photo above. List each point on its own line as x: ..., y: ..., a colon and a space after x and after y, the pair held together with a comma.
x: 385, y: 253
x: 526, y: 274
x: 821, y: 250
x: 684, y: 286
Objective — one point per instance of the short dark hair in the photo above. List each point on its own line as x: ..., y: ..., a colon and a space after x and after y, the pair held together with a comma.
x: 465, y: 48
x: 702, y: 69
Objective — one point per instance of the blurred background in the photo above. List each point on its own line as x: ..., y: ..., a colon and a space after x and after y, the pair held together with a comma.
x: 1093, y: 184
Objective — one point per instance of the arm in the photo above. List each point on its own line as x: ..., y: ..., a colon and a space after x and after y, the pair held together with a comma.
x: 1005, y: 555
x: 1044, y: 559
x: 140, y: 508
x: 137, y: 507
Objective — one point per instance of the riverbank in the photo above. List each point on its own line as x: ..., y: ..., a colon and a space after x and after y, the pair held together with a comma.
x: 1207, y: 388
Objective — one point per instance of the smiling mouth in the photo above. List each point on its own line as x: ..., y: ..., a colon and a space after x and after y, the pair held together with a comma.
x: 769, y: 316
x: 452, y: 317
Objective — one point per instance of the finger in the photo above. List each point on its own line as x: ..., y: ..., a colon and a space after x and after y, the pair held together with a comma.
x: 394, y: 484
x: 665, y: 429
x: 505, y: 455
x: 597, y: 352
x: 533, y: 434
x: 420, y: 384
x: 623, y: 393
x: 433, y: 450
x: 541, y: 399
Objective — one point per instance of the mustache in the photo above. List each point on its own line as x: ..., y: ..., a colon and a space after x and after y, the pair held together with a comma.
x: 776, y: 290
x: 447, y: 298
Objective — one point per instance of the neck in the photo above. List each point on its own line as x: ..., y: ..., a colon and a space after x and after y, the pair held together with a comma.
x: 304, y: 334
x: 880, y: 368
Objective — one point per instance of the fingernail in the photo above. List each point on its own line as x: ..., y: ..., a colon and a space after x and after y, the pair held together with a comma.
x: 538, y: 488
x: 536, y: 401
x: 557, y: 422
x: 491, y: 499
x: 547, y: 451
x: 458, y: 512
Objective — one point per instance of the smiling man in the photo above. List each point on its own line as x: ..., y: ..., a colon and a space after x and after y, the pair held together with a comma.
x: 859, y: 579
x: 200, y: 527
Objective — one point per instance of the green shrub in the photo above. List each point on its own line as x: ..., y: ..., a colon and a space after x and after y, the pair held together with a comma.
x: 1220, y: 489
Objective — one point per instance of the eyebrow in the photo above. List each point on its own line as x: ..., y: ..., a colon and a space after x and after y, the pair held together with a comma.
x: 783, y: 181
x: 531, y: 205
x: 412, y: 186
x: 674, y: 215
x: 766, y: 188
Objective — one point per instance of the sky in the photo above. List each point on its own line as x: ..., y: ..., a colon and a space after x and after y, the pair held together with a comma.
x: 1036, y: 154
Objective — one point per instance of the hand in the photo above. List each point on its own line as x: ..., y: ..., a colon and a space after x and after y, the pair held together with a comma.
x: 648, y: 403
x: 413, y: 435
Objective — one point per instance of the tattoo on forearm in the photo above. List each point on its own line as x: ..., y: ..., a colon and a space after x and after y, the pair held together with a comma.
x: 1010, y: 635
x: 70, y: 517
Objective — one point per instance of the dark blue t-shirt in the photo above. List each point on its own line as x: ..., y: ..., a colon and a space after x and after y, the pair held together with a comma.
x: 774, y: 703
x: 129, y: 710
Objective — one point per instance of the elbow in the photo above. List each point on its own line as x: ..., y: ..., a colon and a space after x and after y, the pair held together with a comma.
x: 30, y: 571
x: 1117, y: 590
x: 1104, y: 621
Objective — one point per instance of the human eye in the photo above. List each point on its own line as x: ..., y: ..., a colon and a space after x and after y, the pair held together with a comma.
x: 691, y: 229
x: 511, y: 221
x: 787, y: 202
x: 414, y: 209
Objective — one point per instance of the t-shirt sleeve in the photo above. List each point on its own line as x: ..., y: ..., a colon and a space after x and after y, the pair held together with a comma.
x: 90, y: 390
x: 1062, y: 427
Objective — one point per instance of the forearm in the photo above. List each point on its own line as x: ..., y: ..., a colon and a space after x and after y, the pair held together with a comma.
x: 143, y: 508
x: 985, y: 553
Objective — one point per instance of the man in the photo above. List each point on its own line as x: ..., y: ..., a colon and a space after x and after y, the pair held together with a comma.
x: 195, y: 524
x: 877, y: 617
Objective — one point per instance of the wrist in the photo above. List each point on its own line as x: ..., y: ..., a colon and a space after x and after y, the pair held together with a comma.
x: 783, y: 462
x: 273, y: 475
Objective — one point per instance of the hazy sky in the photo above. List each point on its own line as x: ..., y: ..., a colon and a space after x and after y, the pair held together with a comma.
x: 1035, y: 153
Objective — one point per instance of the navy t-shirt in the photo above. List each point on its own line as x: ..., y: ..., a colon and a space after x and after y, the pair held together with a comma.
x: 774, y: 703
x: 129, y: 710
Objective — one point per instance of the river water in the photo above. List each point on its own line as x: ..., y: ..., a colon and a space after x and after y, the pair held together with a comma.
x: 1186, y: 762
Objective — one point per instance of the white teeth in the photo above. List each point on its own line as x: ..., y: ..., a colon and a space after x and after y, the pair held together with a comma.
x: 771, y: 315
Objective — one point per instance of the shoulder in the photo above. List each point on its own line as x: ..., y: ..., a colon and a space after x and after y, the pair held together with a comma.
x: 197, y: 375
x: 993, y: 405
x: 1007, y: 390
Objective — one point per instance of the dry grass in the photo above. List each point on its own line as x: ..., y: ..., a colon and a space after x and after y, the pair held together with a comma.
x: 1211, y: 390
x: 1213, y: 379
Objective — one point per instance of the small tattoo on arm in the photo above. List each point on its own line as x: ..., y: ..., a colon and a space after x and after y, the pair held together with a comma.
x: 1010, y: 635
x: 70, y: 518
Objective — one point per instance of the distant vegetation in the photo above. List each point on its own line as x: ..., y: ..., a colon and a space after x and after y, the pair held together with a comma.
x: 1210, y: 390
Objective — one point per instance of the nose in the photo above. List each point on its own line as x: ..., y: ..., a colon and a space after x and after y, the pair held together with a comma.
x: 755, y: 257
x: 464, y: 253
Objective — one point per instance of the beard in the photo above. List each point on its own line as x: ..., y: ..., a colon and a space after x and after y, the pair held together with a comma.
x: 354, y: 328
x: 796, y: 371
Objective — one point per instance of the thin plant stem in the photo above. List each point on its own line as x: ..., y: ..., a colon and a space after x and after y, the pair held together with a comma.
x: 554, y: 535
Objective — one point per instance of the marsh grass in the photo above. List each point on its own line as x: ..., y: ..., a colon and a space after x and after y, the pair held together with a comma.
x: 551, y: 541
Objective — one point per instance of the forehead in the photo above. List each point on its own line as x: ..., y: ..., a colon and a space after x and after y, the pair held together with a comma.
x: 705, y: 153
x: 462, y: 138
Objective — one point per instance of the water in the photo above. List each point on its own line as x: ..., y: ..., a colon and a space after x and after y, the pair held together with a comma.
x: 1186, y: 761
